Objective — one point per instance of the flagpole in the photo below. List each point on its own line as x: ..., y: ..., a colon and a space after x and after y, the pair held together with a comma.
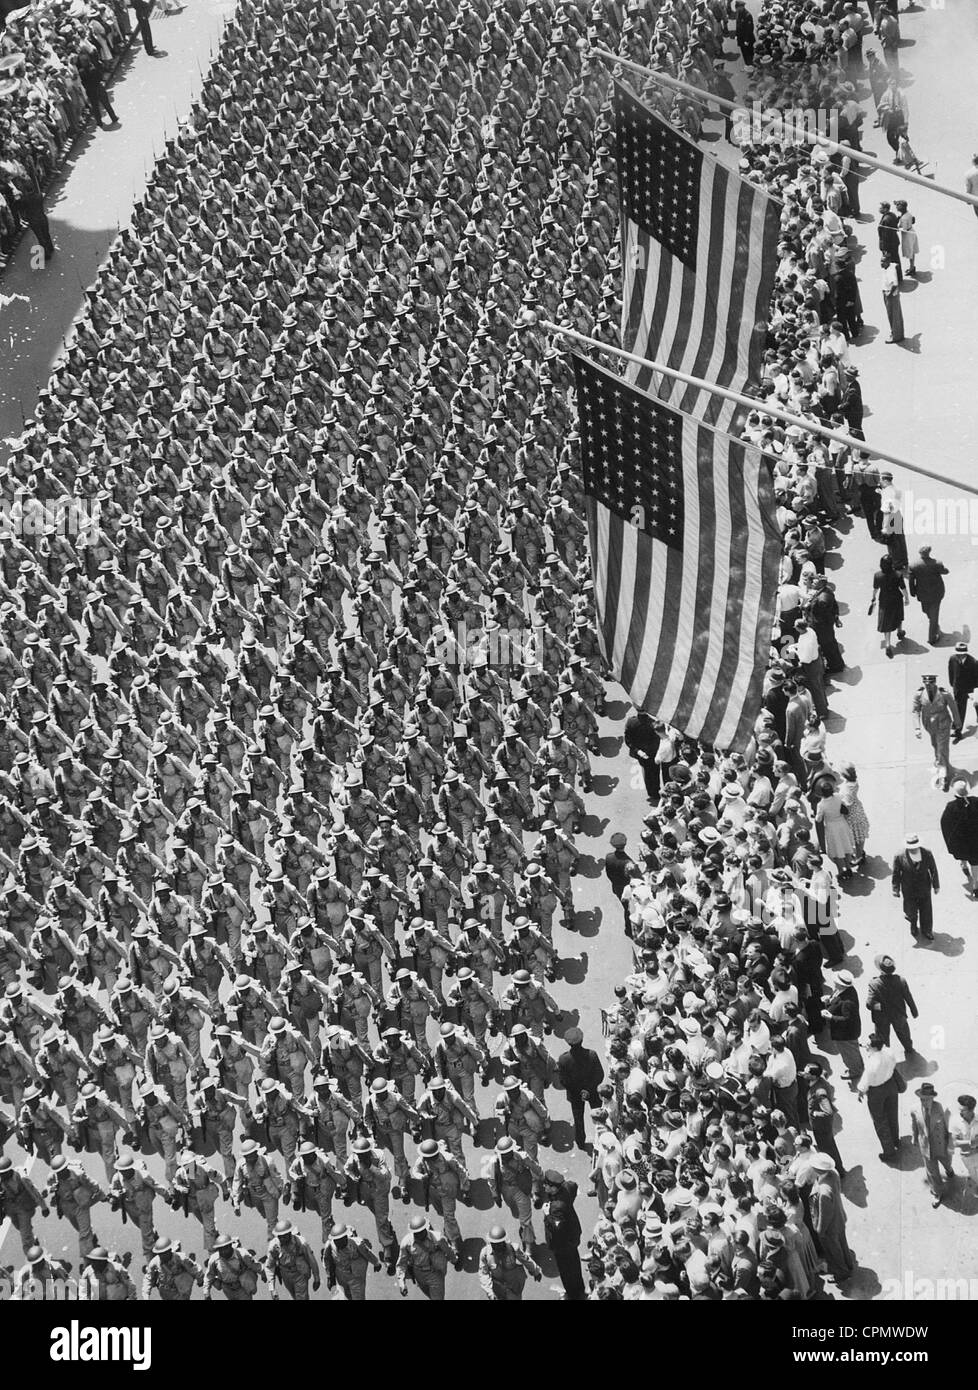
x: 809, y: 426
x: 857, y: 156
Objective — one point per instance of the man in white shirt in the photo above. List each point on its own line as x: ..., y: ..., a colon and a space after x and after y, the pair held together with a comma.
x: 783, y: 1072
x: 882, y: 1091
x: 812, y: 665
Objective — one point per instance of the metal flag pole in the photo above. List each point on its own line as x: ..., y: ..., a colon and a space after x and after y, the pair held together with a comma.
x: 857, y: 156
x: 809, y: 426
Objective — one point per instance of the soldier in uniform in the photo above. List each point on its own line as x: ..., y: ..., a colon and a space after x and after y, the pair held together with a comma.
x: 936, y: 711
x: 290, y: 1259
x: 369, y: 1183
x: 313, y: 1179
x: 346, y: 1260
x: 423, y: 1258
x: 133, y: 1191
x: 20, y: 1199
x: 233, y: 1271
x: 513, y: 1179
x: 443, y: 1176
x: 195, y: 1189
x: 257, y: 1183
x: 171, y: 1272
x: 503, y: 1268
x: 104, y: 1278
x: 71, y: 1193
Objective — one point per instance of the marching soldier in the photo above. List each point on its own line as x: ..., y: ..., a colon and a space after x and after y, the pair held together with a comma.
x: 313, y: 1179
x: 171, y: 1272
x: 233, y: 1271
x: 104, y: 1278
x: 71, y: 1193
x: 133, y: 1192
x: 20, y: 1199
x: 369, y: 1183
x: 423, y: 1258
x: 290, y: 1259
x: 346, y: 1259
x: 195, y: 1189
x: 503, y: 1268
x: 522, y: 1116
x: 257, y: 1183
x: 513, y: 1179
x: 443, y: 1176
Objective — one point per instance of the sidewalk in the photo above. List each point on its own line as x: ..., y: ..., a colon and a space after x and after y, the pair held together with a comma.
x: 93, y: 197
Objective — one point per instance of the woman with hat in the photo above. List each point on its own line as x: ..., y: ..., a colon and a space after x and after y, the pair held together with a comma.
x: 829, y: 1218
x: 834, y: 833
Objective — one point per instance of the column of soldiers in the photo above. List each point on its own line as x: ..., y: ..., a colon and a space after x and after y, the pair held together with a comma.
x: 293, y: 735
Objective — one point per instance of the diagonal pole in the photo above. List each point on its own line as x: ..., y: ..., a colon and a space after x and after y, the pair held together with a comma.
x: 809, y: 426
x: 857, y: 156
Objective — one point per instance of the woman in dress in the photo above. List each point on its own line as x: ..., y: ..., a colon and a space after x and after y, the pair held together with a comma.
x: 834, y: 833
x: 909, y: 242
x: 858, y: 820
x: 892, y: 593
x: 891, y: 299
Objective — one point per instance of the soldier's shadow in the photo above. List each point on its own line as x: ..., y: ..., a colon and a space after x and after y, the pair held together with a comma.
x: 609, y: 746
x: 603, y: 785
x: 561, y: 1137
x: 573, y: 969
x: 594, y: 826
x: 545, y: 1259
x: 471, y: 1249
x: 588, y: 923
x: 480, y: 1194
x: 588, y: 867
x: 616, y: 709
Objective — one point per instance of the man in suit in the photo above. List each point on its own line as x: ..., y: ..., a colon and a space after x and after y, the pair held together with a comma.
x: 841, y: 1012
x: 962, y: 677
x: 889, y: 1001
x: 926, y: 582
x: 642, y: 741
x: 931, y: 1126
x: 915, y: 879
x: 959, y: 826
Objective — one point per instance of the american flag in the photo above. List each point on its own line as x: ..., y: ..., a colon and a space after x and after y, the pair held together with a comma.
x: 685, y: 551
x: 699, y: 250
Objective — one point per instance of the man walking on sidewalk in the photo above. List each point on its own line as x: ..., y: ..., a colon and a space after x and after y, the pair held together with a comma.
x: 914, y: 879
x: 925, y: 579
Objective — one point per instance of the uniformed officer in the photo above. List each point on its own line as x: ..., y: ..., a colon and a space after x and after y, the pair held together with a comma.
x: 936, y: 711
